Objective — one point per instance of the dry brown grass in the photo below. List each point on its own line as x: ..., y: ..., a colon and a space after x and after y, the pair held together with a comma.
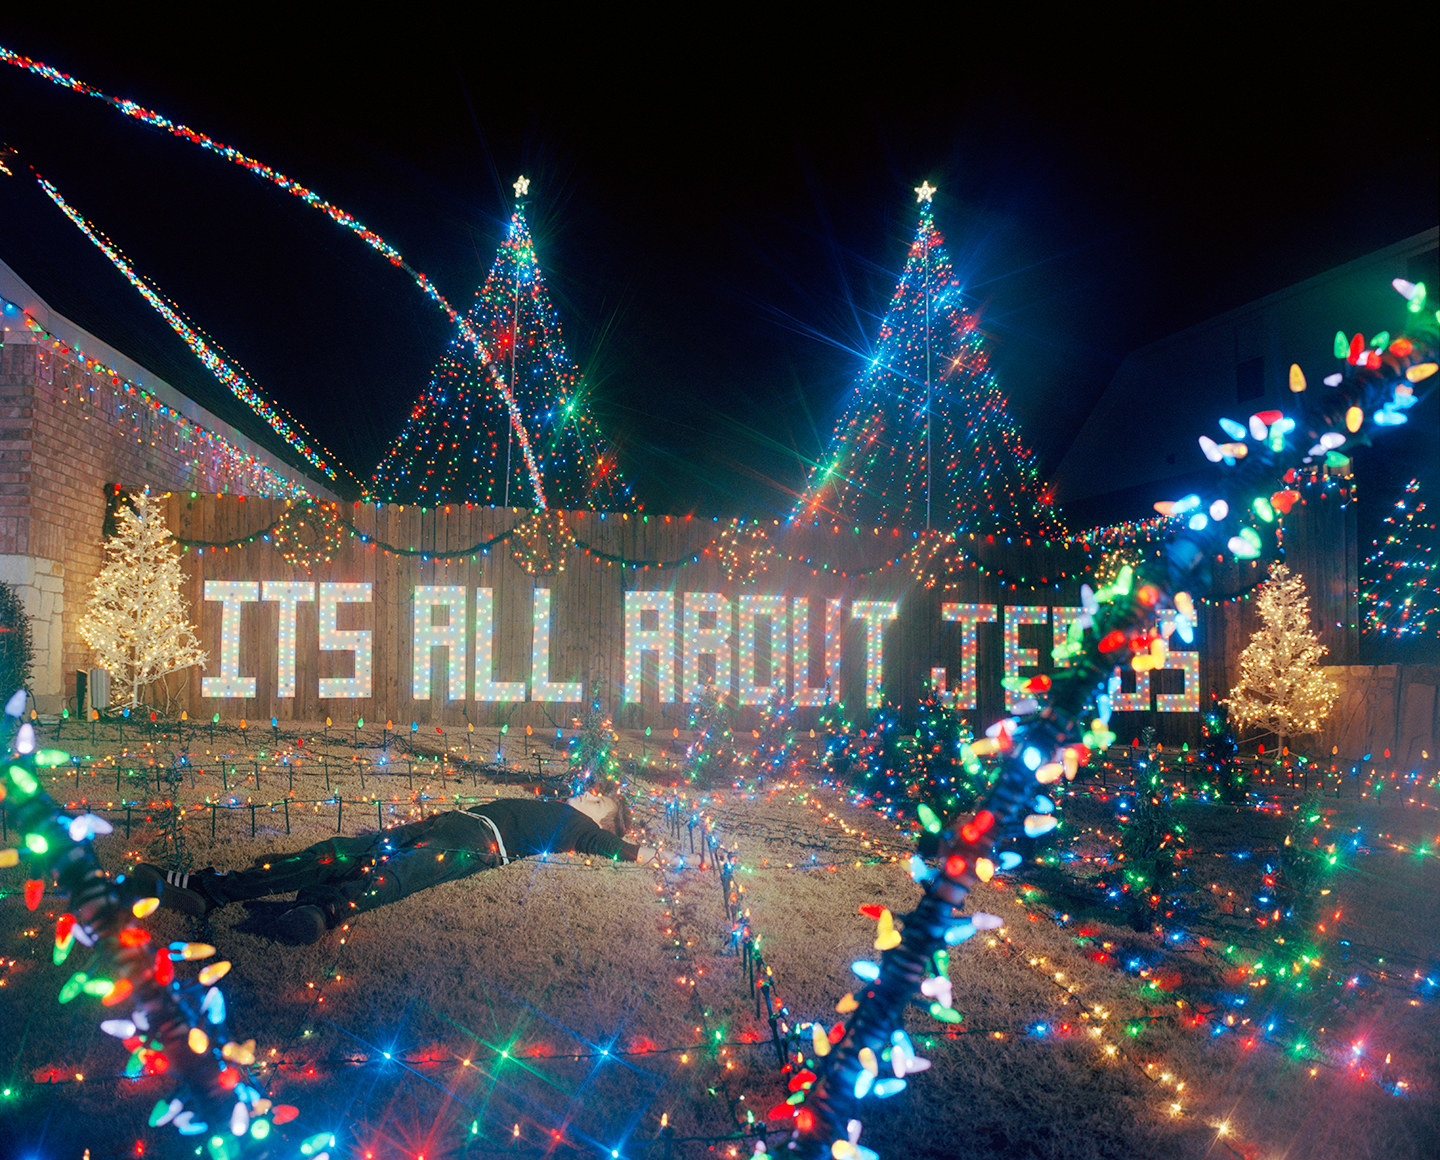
x: 558, y: 963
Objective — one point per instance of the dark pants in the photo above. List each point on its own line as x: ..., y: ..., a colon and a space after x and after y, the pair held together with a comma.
x: 347, y: 876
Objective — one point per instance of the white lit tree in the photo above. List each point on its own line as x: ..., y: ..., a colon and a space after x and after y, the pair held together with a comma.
x: 1281, y: 690
x: 137, y: 620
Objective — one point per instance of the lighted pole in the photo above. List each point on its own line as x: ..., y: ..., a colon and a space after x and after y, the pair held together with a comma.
x: 522, y: 188
x: 924, y: 192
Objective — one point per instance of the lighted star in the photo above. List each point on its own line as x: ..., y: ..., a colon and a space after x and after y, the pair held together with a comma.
x: 924, y: 192
x: 522, y: 186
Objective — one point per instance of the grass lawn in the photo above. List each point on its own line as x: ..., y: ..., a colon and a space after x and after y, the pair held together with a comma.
x: 571, y: 1009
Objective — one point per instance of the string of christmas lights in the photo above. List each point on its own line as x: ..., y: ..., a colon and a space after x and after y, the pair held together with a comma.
x: 171, y: 1024
x: 926, y: 439
x: 339, y: 216
x: 372, y: 1056
x: 1065, y: 716
x: 225, y: 459
x: 204, y: 349
x: 455, y: 444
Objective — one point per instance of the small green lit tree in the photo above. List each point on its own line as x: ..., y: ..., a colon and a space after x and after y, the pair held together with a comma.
x: 712, y: 752
x: 17, y: 649
x: 1223, y: 773
x: 939, y: 768
x: 773, y: 754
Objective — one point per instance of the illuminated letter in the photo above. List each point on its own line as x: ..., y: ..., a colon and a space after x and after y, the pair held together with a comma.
x: 876, y: 614
x: 487, y: 688
x: 449, y: 636
x: 1016, y: 657
x: 541, y: 687
x: 701, y: 642
x: 805, y: 693
x: 752, y: 608
x: 660, y: 640
x: 969, y: 617
x: 336, y: 639
x: 287, y: 594
x: 233, y: 594
x: 1061, y: 619
x: 1188, y: 699
x: 1123, y: 702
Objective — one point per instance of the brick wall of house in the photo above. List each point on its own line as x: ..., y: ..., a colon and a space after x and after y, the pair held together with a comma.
x: 67, y: 430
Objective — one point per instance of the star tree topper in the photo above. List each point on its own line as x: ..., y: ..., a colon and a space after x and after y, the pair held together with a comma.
x: 522, y: 186
x: 924, y: 192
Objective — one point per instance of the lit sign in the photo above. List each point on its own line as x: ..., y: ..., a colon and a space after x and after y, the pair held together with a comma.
x: 755, y: 647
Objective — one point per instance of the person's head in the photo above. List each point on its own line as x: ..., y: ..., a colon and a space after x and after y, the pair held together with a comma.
x: 608, y: 811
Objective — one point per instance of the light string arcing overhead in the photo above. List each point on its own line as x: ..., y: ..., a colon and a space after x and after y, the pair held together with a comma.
x: 335, y: 213
x: 206, y: 351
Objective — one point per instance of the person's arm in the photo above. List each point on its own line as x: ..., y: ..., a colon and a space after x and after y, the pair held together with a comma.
x: 591, y: 839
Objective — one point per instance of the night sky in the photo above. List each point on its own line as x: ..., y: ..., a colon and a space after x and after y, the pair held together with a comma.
x: 721, y: 215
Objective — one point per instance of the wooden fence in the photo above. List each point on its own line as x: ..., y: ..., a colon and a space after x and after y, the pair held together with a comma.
x: 588, y: 562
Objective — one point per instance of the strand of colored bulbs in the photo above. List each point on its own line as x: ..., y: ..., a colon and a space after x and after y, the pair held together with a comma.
x: 339, y: 216
x: 1052, y: 734
x: 172, y: 1025
x: 267, y: 481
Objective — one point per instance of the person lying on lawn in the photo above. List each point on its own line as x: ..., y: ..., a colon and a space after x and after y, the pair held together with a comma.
x: 341, y: 877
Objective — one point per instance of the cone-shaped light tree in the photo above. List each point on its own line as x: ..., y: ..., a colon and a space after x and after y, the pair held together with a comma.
x: 1281, y: 690
x: 926, y: 439
x: 1399, y: 592
x: 137, y: 620
x: 458, y: 445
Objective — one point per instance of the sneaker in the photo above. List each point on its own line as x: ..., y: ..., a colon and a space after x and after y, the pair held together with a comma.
x: 299, y: 926
x: 177, y: 889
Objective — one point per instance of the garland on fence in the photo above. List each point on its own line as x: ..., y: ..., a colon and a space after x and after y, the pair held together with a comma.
x: 308, y: 535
